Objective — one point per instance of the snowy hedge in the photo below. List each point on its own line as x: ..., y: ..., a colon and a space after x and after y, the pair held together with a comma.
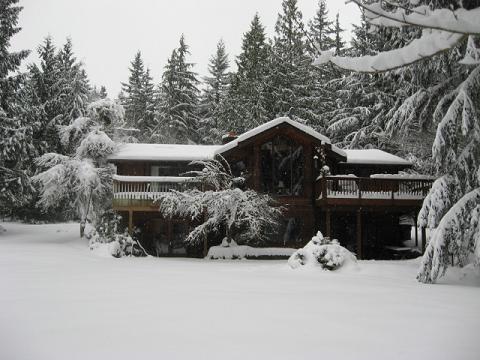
x: 233, y: 251
x: 323, y: 252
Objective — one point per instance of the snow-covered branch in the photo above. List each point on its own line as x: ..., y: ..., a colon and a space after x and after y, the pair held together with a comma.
x: 431, y: 43
x: 460, y: 21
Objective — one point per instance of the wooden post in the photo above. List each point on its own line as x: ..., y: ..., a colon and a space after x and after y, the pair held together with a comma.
x: 328, y: 225
x: 130, y: 222
x: 205, y: 247
x: 424, y: 239
x: 359, y: 234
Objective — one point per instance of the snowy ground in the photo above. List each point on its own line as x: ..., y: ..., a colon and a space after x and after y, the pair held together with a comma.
x: 59, y: 301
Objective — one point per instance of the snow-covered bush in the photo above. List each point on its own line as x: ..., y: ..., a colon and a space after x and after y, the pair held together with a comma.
x: 323, y: 252
x: 238, y: 215
x: 108, y: 239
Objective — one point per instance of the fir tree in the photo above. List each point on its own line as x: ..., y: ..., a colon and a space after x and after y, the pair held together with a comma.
x: 339, y: 44
x: 214, y: 93
x: 291, y: 82
x: 245, y: 105
x: 177, y: 118
x: 9, y: 61
x: 15, y: 132
x: 321, y: 30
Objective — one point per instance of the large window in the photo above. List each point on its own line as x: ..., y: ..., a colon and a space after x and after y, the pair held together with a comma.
x: 282, y: 167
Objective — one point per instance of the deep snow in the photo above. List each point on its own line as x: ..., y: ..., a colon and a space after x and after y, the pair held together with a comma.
x: 60, y: 301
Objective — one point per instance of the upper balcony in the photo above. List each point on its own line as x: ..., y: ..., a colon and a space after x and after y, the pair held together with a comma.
x: 375, y: 191
x: 140, y: 192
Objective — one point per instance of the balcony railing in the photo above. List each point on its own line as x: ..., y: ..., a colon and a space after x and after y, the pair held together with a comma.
x: 393, y: 188
x: 149, y: 188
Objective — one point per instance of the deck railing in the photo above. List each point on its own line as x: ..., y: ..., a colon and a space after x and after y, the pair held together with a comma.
x: 348, y: 187
x: 149, y: 187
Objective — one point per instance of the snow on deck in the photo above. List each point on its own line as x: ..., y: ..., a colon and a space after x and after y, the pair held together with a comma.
x: 164, y: 152
x: 60, y: 301
x: 374, y: 156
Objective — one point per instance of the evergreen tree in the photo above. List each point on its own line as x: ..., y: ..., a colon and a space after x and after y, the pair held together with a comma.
x: 15, y: 133
x: 177, y: 118
x: 291, y: 82
x: 321, y: 30
x: 9, y: 61
x: 339, y: 44
x: 214, y: 93
x: 245, y: 105
x: 74, y: 88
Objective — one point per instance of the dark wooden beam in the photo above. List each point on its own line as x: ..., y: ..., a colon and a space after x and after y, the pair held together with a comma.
x: 130, y: 222
x: 359, y: 235
x: 328, y: 224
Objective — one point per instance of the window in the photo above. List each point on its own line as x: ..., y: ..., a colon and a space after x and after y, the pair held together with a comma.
x: 282, y: 165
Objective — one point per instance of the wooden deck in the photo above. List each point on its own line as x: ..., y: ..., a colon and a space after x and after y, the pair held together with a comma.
x: 346, y: 191
x: 139, y: 193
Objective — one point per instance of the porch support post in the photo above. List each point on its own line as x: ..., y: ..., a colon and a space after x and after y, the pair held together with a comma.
x: 359, y: 234
x: 205, y: 247
x: 328, y: 225
x: 424, y: 239
x: 130, y: 222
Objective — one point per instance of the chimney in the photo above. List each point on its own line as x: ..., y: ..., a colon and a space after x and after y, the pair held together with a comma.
x: 230, y: 136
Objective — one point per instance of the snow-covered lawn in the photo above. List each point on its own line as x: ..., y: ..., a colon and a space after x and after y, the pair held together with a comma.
x: 59, y: 301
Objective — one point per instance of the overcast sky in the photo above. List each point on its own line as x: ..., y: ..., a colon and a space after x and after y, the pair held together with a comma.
x: 107, y: 33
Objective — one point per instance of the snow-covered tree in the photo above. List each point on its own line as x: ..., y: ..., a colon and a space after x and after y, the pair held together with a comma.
x: 15, y: 133
x: 83, y: 179
x: 139, y: 98
x: 291, y: 82
x: 321, y: 30
x: 452, y: 207
x: 245, y: 105
x: 177, y: 118
x: 214, y: 93
x: 238, y: 215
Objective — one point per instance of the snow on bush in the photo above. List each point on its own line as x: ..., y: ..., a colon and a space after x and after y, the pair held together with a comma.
x: 233, y: 251
x: 107, y: 240
x: 323, y: 252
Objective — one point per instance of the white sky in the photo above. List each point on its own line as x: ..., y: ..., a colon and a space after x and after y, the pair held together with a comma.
x: 107, y: 33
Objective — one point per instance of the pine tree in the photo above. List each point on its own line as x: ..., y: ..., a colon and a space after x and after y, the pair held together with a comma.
x: 245, y: 105
x: 74, y: 88
x: 9, y: 61
x: 214, y: 93
x: 321, y: 30
x: 132, y: 102
x: 291, y: 83
x: 339, y: 44
x: 177, y: 118
x: 15, y: 133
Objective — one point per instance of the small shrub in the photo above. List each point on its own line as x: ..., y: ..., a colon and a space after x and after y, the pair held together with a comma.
x: 108, y: 239
x: 323, y: 252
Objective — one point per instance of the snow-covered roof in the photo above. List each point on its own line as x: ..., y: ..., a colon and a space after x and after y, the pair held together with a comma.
x: 268, y: 125
x: 374, y: 156
x: 164, y: 152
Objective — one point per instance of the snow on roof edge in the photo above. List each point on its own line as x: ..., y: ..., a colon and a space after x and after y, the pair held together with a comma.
x: 272, y: 123
x: 374, y: 156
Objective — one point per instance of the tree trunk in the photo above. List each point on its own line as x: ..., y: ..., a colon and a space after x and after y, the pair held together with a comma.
x: 82, y: 228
